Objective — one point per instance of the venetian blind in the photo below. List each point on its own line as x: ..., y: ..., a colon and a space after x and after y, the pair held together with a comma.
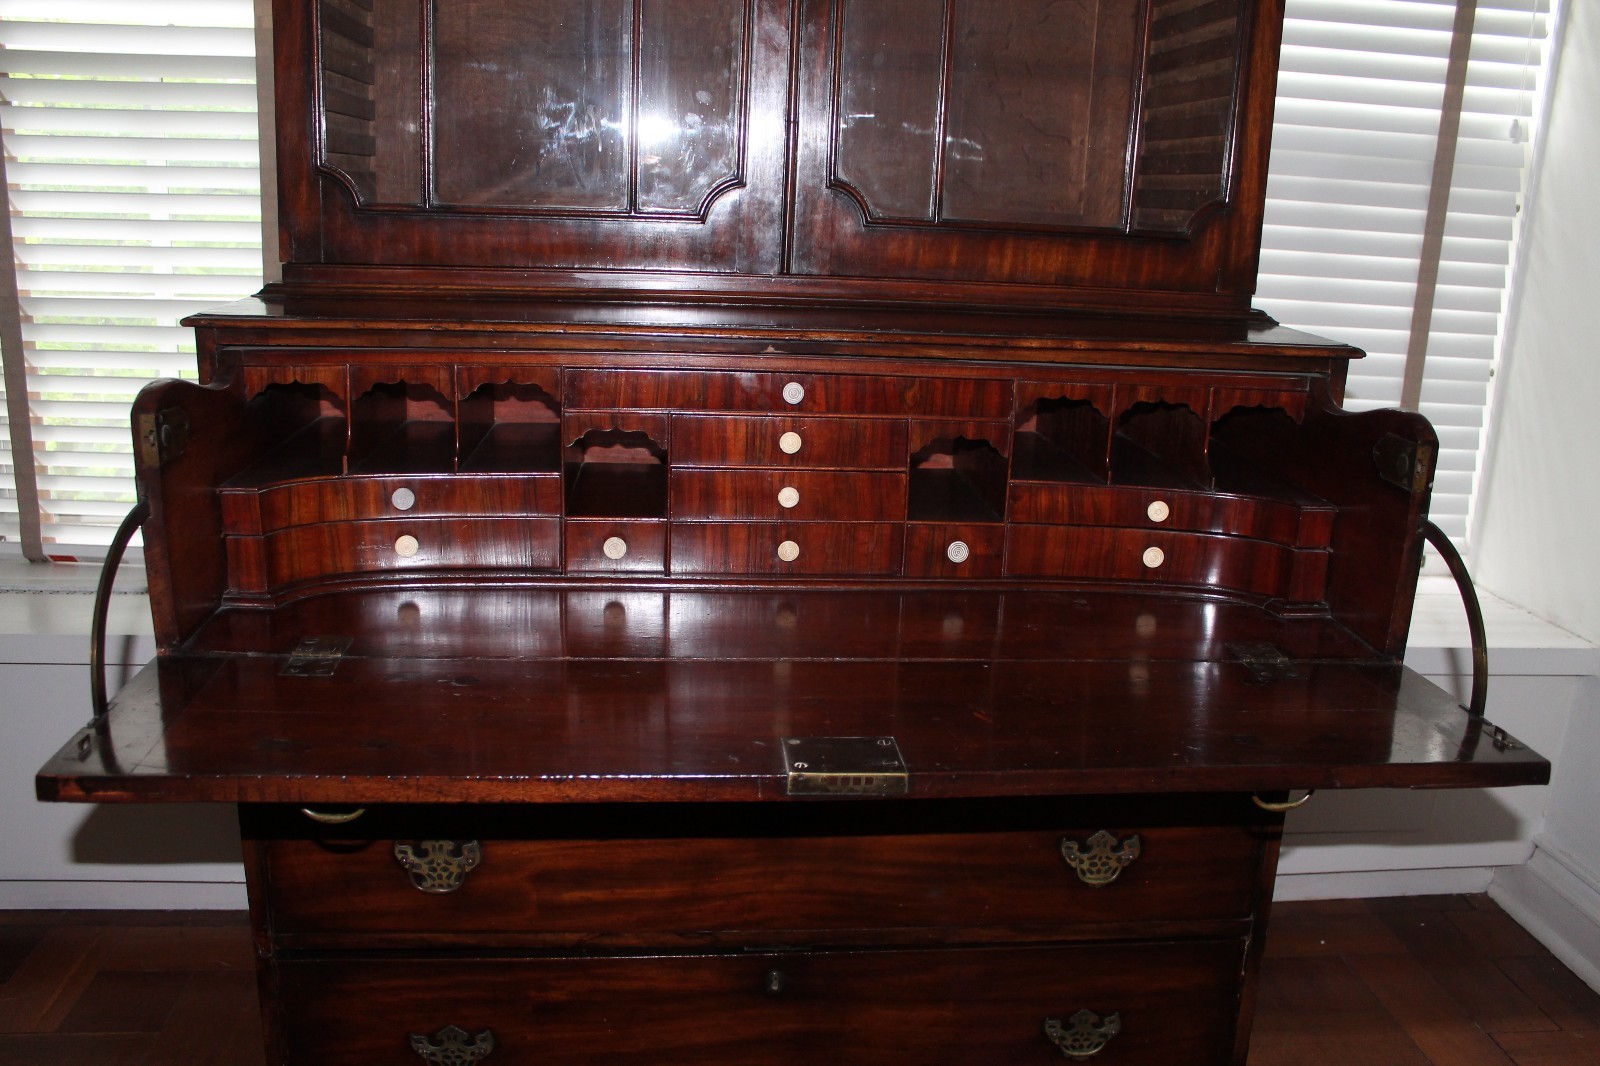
x: 1358, y: 119
x: 131, y: 152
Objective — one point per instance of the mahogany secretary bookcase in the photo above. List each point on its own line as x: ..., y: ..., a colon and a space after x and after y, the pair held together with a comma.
x: 767, y: 531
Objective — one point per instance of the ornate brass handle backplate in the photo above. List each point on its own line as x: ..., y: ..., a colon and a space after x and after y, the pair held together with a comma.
x: 442, y: 865
x: 453, y: 1046
x: 1100, y: 861
x: 1084, y: 1034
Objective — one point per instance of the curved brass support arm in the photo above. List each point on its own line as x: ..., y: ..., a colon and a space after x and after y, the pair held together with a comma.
x: 1469, y: 600
x: 333, y: 817
x: 1288, y: 805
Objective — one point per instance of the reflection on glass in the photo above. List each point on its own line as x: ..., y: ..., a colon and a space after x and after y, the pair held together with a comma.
x: 532, y: 98
x: 587, y: 105
x: 891, y: 65
x: 371, y: 91
x: 690, y: 84
x: 1080, y: 114
x: 1039, y: 111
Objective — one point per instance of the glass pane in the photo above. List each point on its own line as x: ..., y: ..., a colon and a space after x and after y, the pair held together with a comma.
x: 891, y: 64
x: 372, y: 96
x: 1039, y: 112
x: 1186, y: 124
x: 690, y: 100
x: 531, y: 101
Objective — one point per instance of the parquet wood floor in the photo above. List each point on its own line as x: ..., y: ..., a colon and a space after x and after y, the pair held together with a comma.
x: 1447, y: 981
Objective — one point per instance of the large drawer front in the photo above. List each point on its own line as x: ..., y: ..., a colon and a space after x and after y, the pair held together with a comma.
x: 1175, y: 1003
x: 859, y: 889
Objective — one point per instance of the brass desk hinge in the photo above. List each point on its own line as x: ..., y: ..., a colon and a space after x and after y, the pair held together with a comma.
x: 162, y: 436
x: 315, y: 657
x: 1266, y: 662
x: 1405, y: 464
x: 844, y: 766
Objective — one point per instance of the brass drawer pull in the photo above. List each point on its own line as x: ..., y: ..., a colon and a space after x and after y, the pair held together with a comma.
x: 1084, y: 1034
x: 452, y: 1047
x: 443, y: 865
x: 333, y: 817
x: 1101, y: 860
x: 1287, y: 805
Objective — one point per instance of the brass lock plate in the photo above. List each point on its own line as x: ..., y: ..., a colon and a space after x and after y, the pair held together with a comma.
x: 316, y: 657
x: 844, y: 766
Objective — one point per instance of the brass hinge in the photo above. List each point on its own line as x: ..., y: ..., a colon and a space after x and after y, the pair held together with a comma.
x: 1266, y: 662
x: 162, y: 436
x: 1403, y: 463
x: 315, y: 657
x: 844, y: 766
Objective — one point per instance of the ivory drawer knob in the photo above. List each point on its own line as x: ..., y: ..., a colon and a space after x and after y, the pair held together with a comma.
x: 403, y: 499
x: 614, y: 547
x: 793, y: 393
x: 1154, y: 557
x: 789, y: 443
x: 1158, y: 511
x: 958, y: 551
x: 788, y: 496
x: 406, y: 546
x: 788, y: 551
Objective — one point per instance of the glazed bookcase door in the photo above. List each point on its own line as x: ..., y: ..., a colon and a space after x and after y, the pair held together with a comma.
x: 1100, y: 143
x: 557, y: 134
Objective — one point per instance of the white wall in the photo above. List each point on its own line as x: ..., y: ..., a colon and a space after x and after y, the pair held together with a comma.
x: 1538, y: 507
x: 85, y: 855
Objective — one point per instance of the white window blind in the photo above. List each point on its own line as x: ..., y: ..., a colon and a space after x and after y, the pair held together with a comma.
x: 1358, y: 123
x: 131, y: 154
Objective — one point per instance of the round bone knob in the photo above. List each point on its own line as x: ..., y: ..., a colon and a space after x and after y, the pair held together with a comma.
x: 788, y: 551
x: 614, y: 547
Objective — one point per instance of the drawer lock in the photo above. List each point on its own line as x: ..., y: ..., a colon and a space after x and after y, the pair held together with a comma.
x: 1101, y: 860
x: 1084, y: 1034
x: 453, y: 1046
x: 442, y: 865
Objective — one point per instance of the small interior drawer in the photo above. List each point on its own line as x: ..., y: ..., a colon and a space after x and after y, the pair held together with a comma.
x: 790, y: 548
x: 793, y: 392
x: 305, y: 553
x: 616, y: 545
x: 1280, y: 521
x: 787, y: 495
x: 1238, y: 564
x: 357, y: 498
x: 779, y: 441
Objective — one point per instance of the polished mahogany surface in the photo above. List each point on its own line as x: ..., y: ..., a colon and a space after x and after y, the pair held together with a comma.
x: 624, y: 694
